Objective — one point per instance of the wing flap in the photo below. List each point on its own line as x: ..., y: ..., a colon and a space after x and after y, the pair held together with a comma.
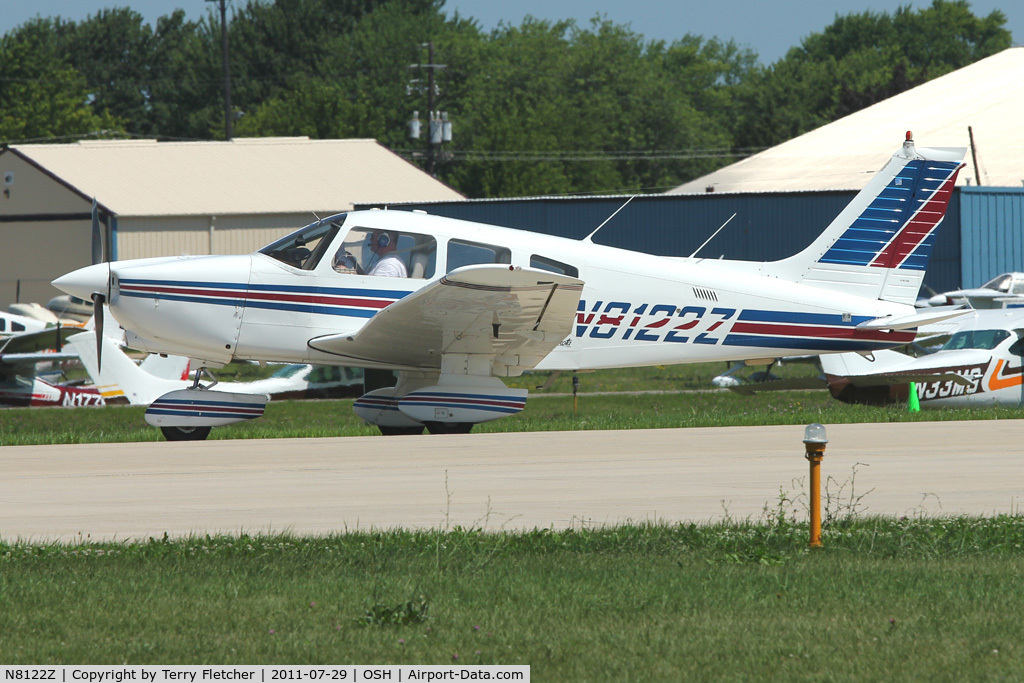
x: 518, y: 315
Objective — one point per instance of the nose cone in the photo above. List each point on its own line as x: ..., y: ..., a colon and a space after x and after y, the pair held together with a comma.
x: 85, y: 281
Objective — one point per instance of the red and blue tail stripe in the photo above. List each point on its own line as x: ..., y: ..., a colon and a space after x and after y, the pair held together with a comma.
x: 897, y: 229
x: 810, y: 331
x: 359, y: 303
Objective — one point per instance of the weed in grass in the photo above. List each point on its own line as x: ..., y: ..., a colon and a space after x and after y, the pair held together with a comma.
x: 402, y: 614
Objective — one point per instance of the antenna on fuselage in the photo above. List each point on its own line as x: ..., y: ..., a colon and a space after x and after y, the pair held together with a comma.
x: 587, y: 238
x: 712, y: 236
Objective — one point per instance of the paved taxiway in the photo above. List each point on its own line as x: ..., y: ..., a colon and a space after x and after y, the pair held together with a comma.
x: 499, y: 481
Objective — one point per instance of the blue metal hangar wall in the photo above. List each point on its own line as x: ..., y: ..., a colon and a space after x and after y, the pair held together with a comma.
x: 767, y: 226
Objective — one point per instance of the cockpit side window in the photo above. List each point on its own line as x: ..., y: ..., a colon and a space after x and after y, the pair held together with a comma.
x: 305, y: 248
x: 976, y: 339
x: 386, y: 253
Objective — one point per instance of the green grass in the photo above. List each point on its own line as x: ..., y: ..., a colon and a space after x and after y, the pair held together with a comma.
x: 908, y: 599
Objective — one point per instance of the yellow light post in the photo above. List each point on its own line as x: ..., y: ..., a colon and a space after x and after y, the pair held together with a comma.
x: 814, y: 444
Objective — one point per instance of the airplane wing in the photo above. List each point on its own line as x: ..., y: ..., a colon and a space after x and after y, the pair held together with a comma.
x: 892, y: 367
x: 516, y: 315
x: 781, y: 384
x: 41, y: 340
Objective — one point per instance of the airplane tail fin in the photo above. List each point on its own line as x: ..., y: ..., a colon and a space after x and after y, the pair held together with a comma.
x: 120, y: 375
x: 879, y: 245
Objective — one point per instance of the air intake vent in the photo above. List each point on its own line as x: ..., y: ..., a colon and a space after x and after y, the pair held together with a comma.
x: 705, y: 294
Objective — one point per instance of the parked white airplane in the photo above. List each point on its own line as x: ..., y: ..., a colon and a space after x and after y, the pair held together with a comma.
x: 1002, y: 291
x: 980, y: 364
x: 480, y: 302
x: 145, y: 383
x: 14, y: 324
x: 20, y: 381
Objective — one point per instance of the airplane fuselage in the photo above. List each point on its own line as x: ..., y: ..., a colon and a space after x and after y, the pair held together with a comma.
x: 635, y: 309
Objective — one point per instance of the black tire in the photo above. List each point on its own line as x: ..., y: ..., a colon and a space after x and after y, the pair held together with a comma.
x: 449, y: 427
x: 185, y: 433
x: 400, y: 431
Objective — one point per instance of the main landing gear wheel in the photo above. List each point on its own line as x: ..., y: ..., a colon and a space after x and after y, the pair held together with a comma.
x: 400, y: 431
x: 185, y: 433
x: 449, y: 427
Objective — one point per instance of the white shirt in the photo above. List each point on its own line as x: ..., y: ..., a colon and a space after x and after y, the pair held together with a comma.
x: 389, y: 266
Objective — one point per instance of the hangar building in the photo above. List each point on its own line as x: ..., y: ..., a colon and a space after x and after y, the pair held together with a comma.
x: 783, y: 197
x: 169, y: 198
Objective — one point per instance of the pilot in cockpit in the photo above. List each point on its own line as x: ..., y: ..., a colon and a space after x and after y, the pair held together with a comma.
x: 383, y: 244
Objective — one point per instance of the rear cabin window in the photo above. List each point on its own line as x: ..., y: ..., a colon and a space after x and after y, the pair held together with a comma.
x: 554, y: 266
x: 367, y: 251
x: 462, y: 253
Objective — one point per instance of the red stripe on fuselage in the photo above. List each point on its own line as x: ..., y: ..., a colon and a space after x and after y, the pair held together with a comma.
x: 823, y: 332
x: 261, y: 296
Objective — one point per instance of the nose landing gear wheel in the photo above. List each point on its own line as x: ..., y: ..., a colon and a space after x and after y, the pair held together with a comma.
x: 185, y: 433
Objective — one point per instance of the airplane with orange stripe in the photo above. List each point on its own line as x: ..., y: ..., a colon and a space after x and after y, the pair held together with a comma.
x: 453, y: 306
x: 979, y: 364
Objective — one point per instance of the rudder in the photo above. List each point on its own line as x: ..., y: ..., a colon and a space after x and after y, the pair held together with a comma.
x: 880, y: 244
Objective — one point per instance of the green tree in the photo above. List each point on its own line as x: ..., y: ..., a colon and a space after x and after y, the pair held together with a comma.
x: 861, y: 59
x: 560, y: 109
x: 42, y: 97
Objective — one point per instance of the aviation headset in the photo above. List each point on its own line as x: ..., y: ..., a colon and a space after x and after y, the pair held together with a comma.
x: 382, y: 239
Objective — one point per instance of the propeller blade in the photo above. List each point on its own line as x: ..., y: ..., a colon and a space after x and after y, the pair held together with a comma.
x: 97, y: 312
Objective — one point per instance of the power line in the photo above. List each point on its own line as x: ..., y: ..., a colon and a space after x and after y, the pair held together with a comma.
x: 591, y: 155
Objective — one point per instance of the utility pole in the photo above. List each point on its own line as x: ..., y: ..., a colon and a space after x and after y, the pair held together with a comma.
x: 439, y: 128
x: 228, y: 134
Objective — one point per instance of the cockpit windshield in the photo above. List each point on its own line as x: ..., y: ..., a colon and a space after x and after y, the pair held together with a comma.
x: 1000, y: 284
x: 976, y: 339
x: 304, y: 248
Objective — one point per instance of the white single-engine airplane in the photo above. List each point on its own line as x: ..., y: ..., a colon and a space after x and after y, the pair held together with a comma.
x: 476, y: 302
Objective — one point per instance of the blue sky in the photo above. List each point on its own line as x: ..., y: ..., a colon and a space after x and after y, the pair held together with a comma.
x: 769, y: 27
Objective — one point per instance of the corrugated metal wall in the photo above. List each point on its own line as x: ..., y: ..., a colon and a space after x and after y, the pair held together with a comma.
x: 34, y: 253
x: 991, y: 233
x: 767, y: 227
x: 174, y: 235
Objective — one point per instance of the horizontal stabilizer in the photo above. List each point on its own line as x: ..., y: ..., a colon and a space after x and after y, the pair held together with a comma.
x: 908, y: 322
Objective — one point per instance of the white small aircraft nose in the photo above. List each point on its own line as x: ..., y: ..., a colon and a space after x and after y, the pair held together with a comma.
x: 84, y: 281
